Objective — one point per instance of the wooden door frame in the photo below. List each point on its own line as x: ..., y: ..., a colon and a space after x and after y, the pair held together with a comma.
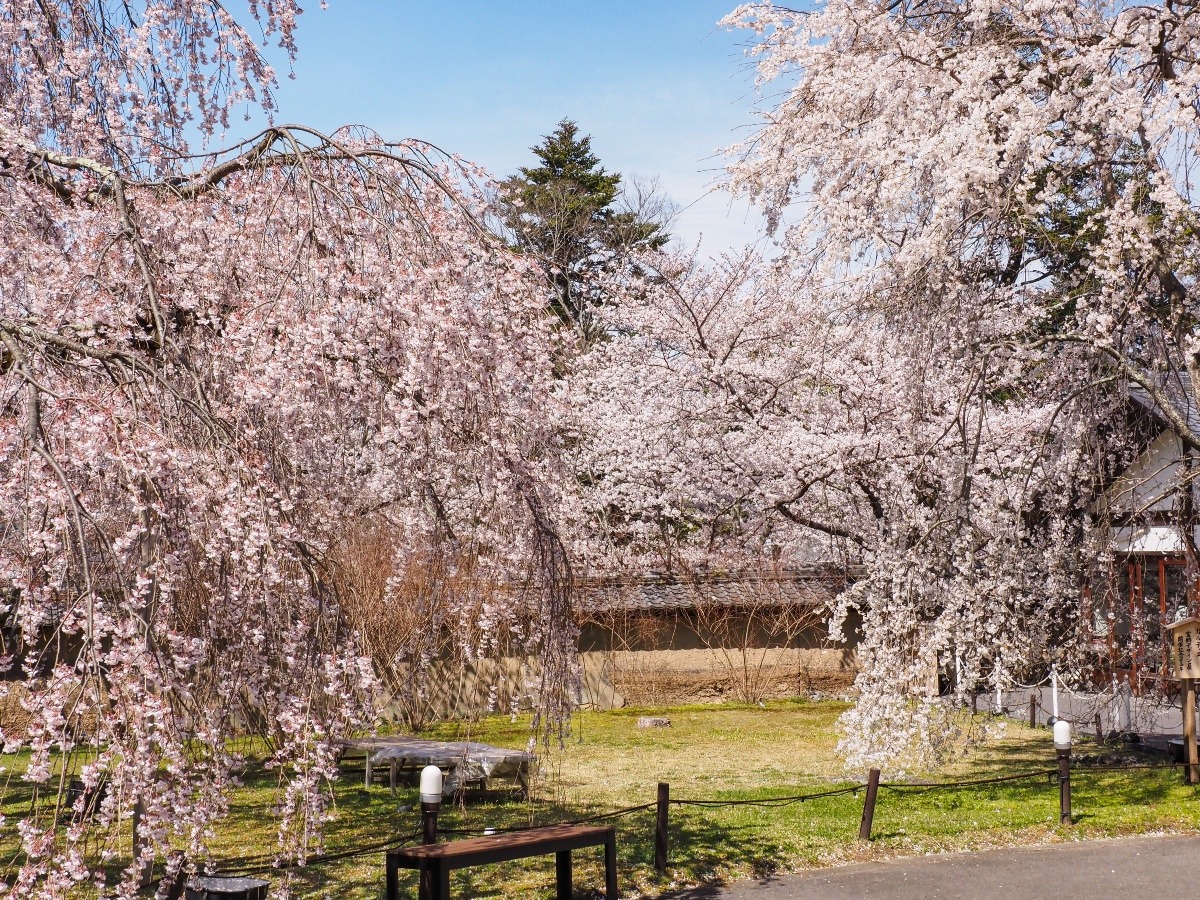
x: 1135, y: 572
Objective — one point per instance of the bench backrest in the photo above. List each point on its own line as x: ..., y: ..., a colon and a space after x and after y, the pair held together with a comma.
x: 502, y: 847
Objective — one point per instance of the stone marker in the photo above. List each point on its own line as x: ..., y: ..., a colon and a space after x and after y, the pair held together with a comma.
x: 653, y: 722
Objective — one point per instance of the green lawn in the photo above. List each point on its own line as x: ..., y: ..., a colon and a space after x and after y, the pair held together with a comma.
x: 720, y: 752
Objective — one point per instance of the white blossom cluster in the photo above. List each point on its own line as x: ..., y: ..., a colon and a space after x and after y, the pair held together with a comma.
x: 986, y: 238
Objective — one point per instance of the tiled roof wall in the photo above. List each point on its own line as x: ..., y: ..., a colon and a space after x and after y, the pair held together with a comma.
x: 662, y: 594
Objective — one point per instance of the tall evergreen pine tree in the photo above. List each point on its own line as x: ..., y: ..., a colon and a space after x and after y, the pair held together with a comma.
x: 562, y: 212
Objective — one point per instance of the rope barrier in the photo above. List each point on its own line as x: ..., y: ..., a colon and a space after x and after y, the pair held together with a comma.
x: 933, y: 785
x: 263, y: 864
x: 1083, y: 769
x: 770, y: 801
x: 322, y: 859
x: 615, y: 814
x: 1018, y: 686
x: 1079, y: 723
x: 629, y: 810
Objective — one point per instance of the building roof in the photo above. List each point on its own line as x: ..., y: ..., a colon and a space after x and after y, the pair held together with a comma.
x: 663, y: 593
x: 1178, y: 390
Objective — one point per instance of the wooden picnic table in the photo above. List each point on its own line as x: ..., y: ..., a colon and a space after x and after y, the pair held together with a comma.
x: 440, y: 859
x: 465, y: 762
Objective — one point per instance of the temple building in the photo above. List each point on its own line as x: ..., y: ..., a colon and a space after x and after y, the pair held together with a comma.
x: 1150, y: 511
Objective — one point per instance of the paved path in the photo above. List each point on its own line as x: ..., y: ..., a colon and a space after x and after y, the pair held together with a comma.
x: 1087, y: 870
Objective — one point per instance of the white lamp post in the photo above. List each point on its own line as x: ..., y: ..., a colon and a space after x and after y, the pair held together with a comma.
x: 431, y: 802
x: 431, y: 785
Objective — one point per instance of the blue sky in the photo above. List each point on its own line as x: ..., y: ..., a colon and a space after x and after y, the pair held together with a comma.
x: 655, y: 82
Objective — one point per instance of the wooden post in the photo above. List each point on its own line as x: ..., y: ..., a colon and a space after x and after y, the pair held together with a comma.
x: 176, y: 887
x: 868, y: 815
x: 429, y: 817
x: 1099, y: 729
x: 367, y: 758
x: 174, y: 884
x: 660, y: 828
x: 974, y: 702
x: 1033, y: 710
x: 1184, y: 656
x: 1189, y: 730
x: 393, y: 765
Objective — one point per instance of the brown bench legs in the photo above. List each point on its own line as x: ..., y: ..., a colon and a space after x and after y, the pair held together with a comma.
x: 434, y: 875
x: 562, y: 874
x: 610, y: 868
x: 441, y: 883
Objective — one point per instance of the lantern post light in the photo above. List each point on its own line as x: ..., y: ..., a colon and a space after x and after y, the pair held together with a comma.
x: 1062, y: 747
x: 431, y: 802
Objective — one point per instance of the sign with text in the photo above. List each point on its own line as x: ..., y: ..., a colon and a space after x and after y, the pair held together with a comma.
x: 1185, y: 648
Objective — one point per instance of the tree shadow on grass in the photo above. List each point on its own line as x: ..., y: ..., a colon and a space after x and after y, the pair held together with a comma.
x: 701, y: 843
x: 701, y: 849
x: 710, y: 848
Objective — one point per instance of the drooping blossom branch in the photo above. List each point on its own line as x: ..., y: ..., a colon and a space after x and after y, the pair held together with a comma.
x: 211, y: 370
x: 1006, y: 189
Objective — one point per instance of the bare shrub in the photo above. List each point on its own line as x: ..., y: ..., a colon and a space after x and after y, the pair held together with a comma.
x: 642, y: 675
x: 428, y: 623
x: 750, y: 641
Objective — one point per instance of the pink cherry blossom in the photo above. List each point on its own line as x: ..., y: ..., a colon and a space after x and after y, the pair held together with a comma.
x: 214, y: 368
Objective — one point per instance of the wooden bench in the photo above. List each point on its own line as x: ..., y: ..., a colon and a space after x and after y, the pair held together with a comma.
x: 440, y: 859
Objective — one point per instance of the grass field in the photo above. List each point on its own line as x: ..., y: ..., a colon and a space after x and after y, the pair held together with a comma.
x: 722, y: 752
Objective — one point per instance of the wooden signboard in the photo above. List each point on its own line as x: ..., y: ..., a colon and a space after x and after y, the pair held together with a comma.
x: 1184, y: 636
x: 1185, y: 648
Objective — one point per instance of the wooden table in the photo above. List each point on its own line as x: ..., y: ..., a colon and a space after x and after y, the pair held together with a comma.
x: 441, y: 859
x: 464, y: 762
